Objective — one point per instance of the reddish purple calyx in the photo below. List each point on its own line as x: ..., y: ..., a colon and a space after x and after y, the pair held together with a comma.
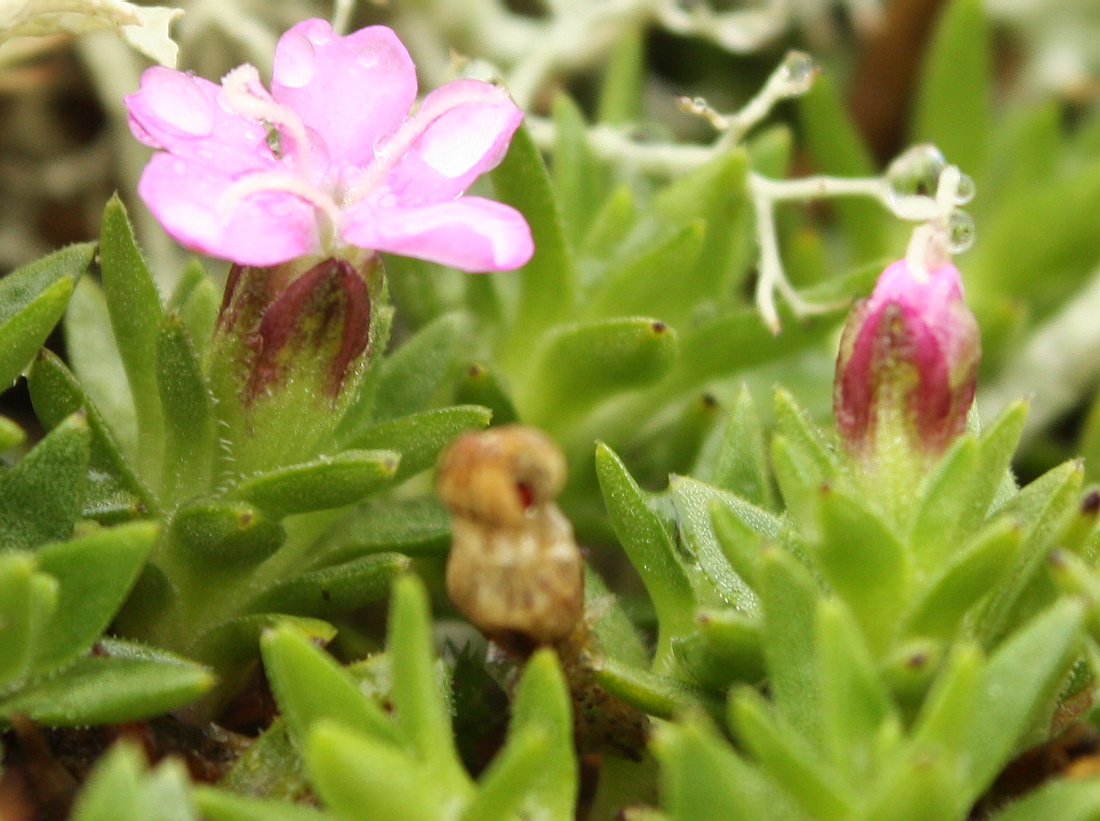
x: 909, y: 354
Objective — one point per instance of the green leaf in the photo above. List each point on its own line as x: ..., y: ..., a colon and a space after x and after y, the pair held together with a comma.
x: 93, y: 356
x: 32, y: 301
x: 112, y: 792
x: 650, y: 549
x: 136, y: 315
x: 41, y: 497
x: 421, y: 711
x: 661, y: 696
x: 1018, y: 688
x: 478, y: 384
x: 196, y: 300
x: 865, y: 565
x: 638, y: 284
x: 271, y: 767
x: 56, y: 394
x: 693, y: 500
x: 536, y: 771
x: 27, y: 601
x: 804, y: 436
x: 790, y: 599
x: 310, y: 686
x: 621, y: 89
x: 325, y: 483
x: 420, y: 437
x: 231, y: 645
x: 220, y: 805
x: 358, y: 776
x: 855, y: 703
x: 100, y: 690
x: 736, y: 457
x: 952, y: 708
x: 611, y: 225
x: 548, y: 282
x: 837, y: 149
x: 727, y: 649
x: 94, y: 574
x: 966, y: 577
x: 577, y: 177
x: 702, y: 779
x: 1063, y: 800
x: 953, y: 105
x: 786, y: 757
x: 418, y: 525
x: 585, y: 363
x: 223, y: 533
x: 188, y: 413
x: 332, y: 591
x: 223, y: 805
x: 409, y: 378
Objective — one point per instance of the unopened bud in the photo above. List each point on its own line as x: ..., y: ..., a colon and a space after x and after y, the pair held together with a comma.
x: 908, y: 362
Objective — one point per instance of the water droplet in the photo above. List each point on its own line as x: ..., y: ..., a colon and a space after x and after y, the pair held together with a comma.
x: 368, y: 59
x: 797, y: 73
x: 915, y: 174
x: 319, y: 33
x: 297, y: 62
x: 960, y: 232
x: 966, y: 190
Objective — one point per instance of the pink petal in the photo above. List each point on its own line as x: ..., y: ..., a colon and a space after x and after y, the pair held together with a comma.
x: 263, y: 228
x: 181, y: 113
x: 466, y: 126
x: 352, y: 90
x: 471, y: 233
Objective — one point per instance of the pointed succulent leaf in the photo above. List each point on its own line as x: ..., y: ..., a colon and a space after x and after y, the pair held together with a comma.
x: 727, y: 649
x: 703, y: 779
x: 27, y: 601
x: 412, y: 526
x: 790, y: 597
x: 196, y: 300
x: 739, y: 543
x: 536, y: 771
x: 1064, y: 800
x: 271, y: 767
x: 325, y: 483
x: 410, y: 378
x: 102, y: 690
x: 94, y: 575
x: 1019, y: 685
x: 933, y: 534
x: 954, y: 97
x: 112, y: 791
x: 693, y: 502
x: 56, y: 394
x: 189, y: 425
x: 225, y: 805
x: 583, y: 364
x: 224, y: 533
x: 230, y: 646
x: 478, y: 384
x: 651, y: 550
x: 136, y: 313
x: 420, y: 437
x: 577, y: 177
x: 623, y: 79
x: 548, y: 282
x: 996, y: 448
x: 310, y: 686
x: 864, y: 563
x: 968, y: 575
x: 41, y: 496
x: 657, y: 694
x: 804, y: 437
x: 855, y: 701
x: 638, y: 284
x: 419, y: 704
x: 835, y: 144
x: 611, y: 225
x: 785, y: 755
x: 952, y: 708
x: 736, y: 456
x: 800, y: 482
x: 332, y: 591
x: 32, y: 301
x: 359, y: 776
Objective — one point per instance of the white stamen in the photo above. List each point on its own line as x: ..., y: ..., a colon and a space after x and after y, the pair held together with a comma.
x: 243, y: 93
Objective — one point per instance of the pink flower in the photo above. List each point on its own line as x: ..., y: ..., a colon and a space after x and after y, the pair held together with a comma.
x: 908, y: 358
x: 330, y: 158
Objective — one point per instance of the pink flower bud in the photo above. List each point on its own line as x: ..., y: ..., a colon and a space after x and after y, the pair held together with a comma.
x: 908, y: 362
